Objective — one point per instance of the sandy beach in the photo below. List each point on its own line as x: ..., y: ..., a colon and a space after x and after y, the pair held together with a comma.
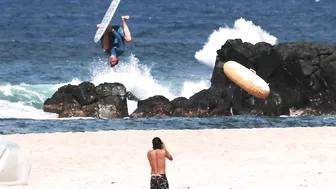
x: 238, y: 159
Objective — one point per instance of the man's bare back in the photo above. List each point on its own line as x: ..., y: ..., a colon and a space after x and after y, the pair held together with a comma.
x: 157, y: 160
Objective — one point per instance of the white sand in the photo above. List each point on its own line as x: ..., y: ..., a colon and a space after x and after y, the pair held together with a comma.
x: 209, y: 159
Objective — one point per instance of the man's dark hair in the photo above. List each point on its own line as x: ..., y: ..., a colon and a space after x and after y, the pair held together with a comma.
x: 157, y: 143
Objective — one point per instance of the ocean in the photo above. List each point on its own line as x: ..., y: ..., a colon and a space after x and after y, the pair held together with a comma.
x: 47, y: 44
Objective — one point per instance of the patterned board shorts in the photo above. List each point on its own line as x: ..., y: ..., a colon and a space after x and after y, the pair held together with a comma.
x: 159, y: 182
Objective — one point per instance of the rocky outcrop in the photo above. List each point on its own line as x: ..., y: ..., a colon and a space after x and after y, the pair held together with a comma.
x: 156, y: 106
x: 107, y: 100
x: 301, y: 76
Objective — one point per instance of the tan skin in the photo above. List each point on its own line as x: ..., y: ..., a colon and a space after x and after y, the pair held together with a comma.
x: 157, y: 160
x: 127, y: 37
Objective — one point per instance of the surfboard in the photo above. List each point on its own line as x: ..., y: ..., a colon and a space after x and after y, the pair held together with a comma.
x: 106, y: 20
x: 246, y: 79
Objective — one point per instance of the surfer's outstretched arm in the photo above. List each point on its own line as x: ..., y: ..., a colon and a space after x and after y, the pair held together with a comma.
x: 127, y: 33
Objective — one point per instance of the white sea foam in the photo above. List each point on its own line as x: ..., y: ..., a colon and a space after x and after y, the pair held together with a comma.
x: 21, y: 101
x: 23, y: 111
x: 243, y: 29
x: 134, y: 76
x: 190, y: 88
x: 6, y: 89
x: 137, y: 79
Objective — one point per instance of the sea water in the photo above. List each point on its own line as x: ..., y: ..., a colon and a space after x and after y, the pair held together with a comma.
x: 47, y: 44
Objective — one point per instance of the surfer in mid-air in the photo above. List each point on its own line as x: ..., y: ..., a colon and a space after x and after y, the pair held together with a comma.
x: 114, y: 38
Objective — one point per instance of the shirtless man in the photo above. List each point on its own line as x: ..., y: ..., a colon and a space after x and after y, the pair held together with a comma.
x: 114, y: 38
x: 157, y: 160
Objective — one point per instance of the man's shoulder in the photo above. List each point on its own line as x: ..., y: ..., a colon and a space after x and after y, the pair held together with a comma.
x: 150, y: 151
x: 155, y: 151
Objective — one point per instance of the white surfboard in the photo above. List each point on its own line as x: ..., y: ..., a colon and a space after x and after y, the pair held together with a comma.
x: 106, y: 20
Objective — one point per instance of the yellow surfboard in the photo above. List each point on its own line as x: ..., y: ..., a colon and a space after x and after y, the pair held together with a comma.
x: 247, y: 79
